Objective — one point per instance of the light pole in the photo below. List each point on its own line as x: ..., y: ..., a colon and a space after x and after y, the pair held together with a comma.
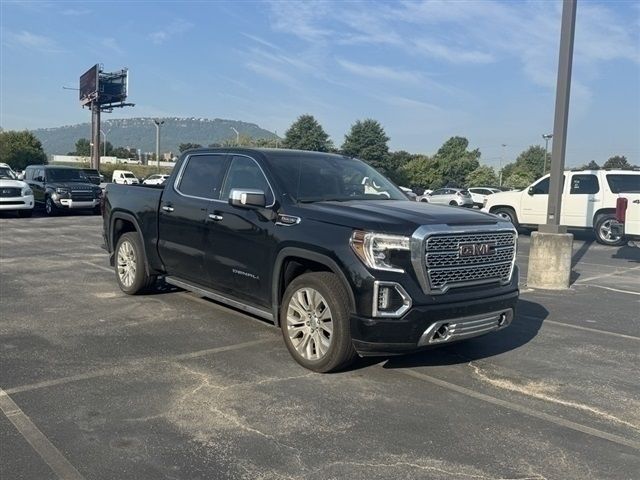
x: 104, y: 134
x: 547, y: 137
x: 237, y: 136
x: 504, y: 145
x: 158, y: 124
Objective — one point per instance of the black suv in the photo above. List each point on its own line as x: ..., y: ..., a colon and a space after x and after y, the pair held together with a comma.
x: 323, y: 245
x: 60, y: 188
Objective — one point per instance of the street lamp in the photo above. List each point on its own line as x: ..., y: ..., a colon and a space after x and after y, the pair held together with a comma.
x: 504, y: 145
x: 158, y: 124
x: 547, y: 137
x: 237, y: 136
x: 104, y: 134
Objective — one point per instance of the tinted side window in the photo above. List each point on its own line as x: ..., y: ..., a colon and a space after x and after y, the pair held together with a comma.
x: 542, y: 187
x: 202, y: 176
x: 584, y: 184
x: 438, y: 192
x: 624, y: 183
x: 245, y: 173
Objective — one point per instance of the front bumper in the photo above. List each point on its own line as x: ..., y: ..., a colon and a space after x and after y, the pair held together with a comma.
x: 17, y: 203
x: 430, y: 325
x: 74, y: 204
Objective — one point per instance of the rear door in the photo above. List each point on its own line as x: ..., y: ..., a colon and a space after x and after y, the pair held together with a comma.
x: 581, y: 202
x: 183, y: 216
x: 242, y: 260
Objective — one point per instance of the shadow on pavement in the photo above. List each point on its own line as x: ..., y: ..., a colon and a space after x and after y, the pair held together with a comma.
x: 522, y: 330
x: 632, y: 254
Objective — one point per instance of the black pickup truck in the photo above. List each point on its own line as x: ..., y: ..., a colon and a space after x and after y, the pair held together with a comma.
x: 321, y: 244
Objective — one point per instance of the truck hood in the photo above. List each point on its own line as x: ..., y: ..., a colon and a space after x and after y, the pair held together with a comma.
x: 504, y: 198
x: 393, y: 216
x: 6, y: 182
x: 73, y: 186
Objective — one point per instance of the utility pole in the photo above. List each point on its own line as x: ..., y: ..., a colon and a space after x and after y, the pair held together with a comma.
x: 504, y: 145
x: 95, y: 134
x: 547, y: 137
x: 237, y: 136
x: 158, y: 123
x: 104, y: 134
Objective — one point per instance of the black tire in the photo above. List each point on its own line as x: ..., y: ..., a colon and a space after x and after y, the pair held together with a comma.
x: 602, y: 230
x: 453, y: 203
x: 424, y: 200
x: 508, y: 214
x: 50, y: 207
x: 129, y: 252
x: 25, y: 213
x: 340, y: 352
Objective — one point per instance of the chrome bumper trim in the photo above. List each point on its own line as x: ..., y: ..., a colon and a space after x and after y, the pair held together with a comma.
x: 454, y: 329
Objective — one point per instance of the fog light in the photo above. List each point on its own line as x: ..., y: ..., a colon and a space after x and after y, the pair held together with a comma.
x: 54, y: 196
x: 389, y: 299
x: 384, y: 294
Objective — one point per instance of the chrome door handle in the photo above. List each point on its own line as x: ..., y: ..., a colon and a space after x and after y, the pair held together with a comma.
x: 215, y: 217
x: 594, y: 199
x: 167, y: 208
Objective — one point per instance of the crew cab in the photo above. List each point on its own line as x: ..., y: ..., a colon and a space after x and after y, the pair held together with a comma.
x: 58, y: 188
x: 588, y: 201
x: 322, y: 245
x: 15, y: 195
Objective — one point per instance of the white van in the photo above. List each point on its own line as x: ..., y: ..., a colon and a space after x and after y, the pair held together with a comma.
x: 125, y: 177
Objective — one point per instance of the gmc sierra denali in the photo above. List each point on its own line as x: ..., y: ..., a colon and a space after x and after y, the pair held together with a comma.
x: 321, y: 244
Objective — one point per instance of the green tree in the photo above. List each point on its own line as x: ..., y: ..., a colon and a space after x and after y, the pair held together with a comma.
x: 307, y: 134
x: 188, y: 146
x: 530, y: 162
x: 617, y: 161
x: 20, y: 149
x: 483, y: 176
x: 83, y: 147
x: 422, y: 172
x: 455, y: 162
x: 519, y: 179
x: 592, y: 165
x: 367, y: 141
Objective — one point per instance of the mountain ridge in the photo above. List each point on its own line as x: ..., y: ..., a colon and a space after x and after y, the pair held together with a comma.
x: 140, y: 132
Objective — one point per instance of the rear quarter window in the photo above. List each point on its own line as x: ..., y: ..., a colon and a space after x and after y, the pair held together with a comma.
x: 624, y: 182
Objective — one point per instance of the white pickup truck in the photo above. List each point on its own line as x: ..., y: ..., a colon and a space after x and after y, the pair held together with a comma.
x: 588, y: 201
x: 627, y: 222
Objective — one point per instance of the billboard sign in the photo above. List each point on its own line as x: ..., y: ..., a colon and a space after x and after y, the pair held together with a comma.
x: 113, y: 87
x: 89, y: 85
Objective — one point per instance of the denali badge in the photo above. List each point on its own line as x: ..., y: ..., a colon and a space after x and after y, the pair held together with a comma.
x: 473, y: 249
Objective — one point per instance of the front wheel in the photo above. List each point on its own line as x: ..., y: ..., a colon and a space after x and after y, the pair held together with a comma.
x: 50, y: 207
x: 453, y: 203
x: 507, y: 214
x: 131, y: 271
x: 604, y: 232
x: 314, y: 320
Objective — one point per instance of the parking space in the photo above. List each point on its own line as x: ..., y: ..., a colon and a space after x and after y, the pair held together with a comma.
x: 99, y: 385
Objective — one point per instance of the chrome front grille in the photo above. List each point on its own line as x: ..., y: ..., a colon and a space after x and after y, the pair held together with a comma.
x: 9, y: 192
x: 81, y: 195
x: 450, y: 257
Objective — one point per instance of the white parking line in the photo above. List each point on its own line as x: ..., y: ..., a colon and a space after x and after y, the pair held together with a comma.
x: 604, y: 275
x: 587, y: 329
x: 38, y: 441
x: 609, y: 288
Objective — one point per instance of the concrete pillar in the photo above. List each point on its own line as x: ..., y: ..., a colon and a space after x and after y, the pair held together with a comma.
x: 550, y: 260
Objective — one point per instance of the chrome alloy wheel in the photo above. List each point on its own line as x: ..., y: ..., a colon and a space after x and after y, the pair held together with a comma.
x: 606, y: 233
x: 309, y: 323
x: 126, y: 264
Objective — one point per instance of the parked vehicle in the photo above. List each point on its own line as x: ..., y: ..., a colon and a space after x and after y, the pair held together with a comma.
x: 478, y: 194
x: 409, y: 193
x: 627, y: 218
x: 155, y: 179
x: 296, y: 238
x: 449, y: 196
x: 15, y: 195
x: 59, y: 188
x: 124, y: 177
x: 93, y: 175
x: 588, y: 201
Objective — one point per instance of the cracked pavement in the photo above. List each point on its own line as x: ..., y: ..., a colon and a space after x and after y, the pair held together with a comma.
x: 171, y: 386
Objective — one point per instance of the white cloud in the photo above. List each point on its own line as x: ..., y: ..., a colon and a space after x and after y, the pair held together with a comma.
x: 453, y: 55
x: 111, y: 44
x: 33, y: 41
x: 380, y: 72
x: 176, y: 27
x: 275, y: 74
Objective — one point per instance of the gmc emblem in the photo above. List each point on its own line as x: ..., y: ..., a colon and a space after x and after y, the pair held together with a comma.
x: 473, y: 249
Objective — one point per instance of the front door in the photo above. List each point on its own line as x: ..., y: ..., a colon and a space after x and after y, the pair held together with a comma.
x: 242, y: 260
x: 183, y: 222
x: 535, y: 199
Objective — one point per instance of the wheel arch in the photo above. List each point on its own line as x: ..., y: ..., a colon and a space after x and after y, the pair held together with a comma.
x: 121, y: 223
x: 292, y: 262
x: 601, y: 211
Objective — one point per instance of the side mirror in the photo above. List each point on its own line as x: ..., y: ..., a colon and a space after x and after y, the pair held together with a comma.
x: 531, y: 191
x: 245, y: 198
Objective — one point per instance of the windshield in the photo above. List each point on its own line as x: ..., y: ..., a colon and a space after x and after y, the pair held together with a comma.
x: 128, y: 175
x: 65, y: 175
x: 317, y: 178
x: 7, y: 173
x: 624, y: 183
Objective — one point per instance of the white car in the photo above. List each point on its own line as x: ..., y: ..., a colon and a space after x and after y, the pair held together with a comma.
x: 155, y: 179
x: 588, y: 201
x: 455, y: 197
x: 124, y: 177
x: 478, y: 194
x: 409, y: 193
x: 15, y: 195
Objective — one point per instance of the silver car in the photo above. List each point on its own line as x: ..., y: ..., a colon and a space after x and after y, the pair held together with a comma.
x: 449, y: 196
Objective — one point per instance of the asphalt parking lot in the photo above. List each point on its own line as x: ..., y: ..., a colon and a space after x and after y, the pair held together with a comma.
x: 99, y: 385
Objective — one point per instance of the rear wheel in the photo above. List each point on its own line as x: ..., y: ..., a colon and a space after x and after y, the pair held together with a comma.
x: 315, y: 322
x: 130, y: 265
x: 453, y: 203
x: 507, y: 214
x: 604, y: 233
x: 25, y: 213
x: 50, y: 207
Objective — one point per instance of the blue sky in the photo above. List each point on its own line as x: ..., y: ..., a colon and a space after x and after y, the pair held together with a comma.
x: 426, y: 70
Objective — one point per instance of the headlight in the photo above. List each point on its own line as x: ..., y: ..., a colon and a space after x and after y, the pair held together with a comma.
x: 26, y: 191
x: 376, y: 250
x: 62, y: 191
